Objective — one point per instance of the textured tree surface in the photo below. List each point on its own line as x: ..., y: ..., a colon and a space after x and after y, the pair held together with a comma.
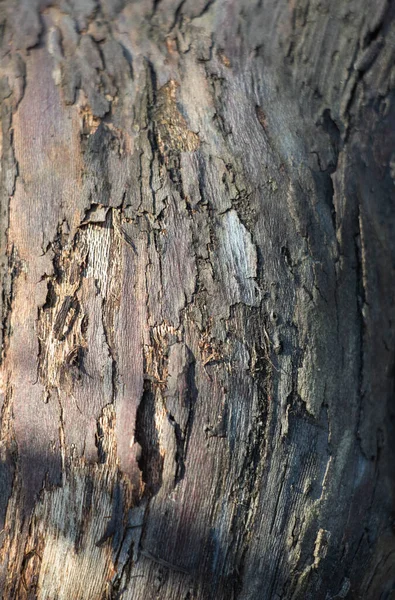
x: 197, y: 309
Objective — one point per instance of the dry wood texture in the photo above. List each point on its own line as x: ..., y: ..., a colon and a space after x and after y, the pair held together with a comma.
x: 198, y: 275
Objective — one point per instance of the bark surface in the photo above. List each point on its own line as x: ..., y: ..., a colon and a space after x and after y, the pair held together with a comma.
x: 198, y: 273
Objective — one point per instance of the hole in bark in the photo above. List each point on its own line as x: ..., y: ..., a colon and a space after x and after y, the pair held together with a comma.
x: 84, y: 324
x: 50, y: 301
x: 151, y: 461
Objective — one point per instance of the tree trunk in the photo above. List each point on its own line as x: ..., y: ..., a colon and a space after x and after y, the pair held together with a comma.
x: 198, y: 267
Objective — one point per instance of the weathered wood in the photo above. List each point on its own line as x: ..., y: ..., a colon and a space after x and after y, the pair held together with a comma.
x: 197, y: 265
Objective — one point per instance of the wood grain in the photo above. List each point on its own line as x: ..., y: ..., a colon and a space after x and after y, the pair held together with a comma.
x: 197, y: 308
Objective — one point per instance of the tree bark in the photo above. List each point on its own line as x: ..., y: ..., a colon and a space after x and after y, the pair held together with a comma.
x: 197, y: 267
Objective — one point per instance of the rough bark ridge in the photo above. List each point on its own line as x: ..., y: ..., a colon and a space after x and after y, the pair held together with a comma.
x: 197, y: 266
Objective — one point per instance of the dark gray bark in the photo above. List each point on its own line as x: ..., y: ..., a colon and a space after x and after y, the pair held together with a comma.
x: 197, y: 254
